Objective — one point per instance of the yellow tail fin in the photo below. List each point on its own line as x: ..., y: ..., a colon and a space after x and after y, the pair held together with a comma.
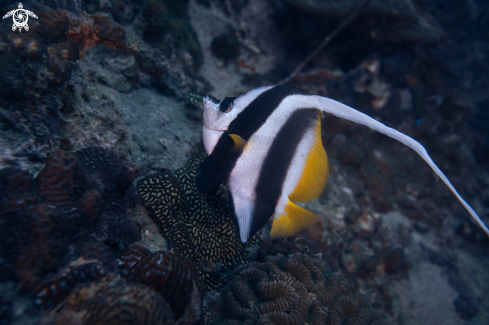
x: 292, y: 220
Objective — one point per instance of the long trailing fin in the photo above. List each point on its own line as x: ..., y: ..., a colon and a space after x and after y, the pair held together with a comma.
x: 338, y: 109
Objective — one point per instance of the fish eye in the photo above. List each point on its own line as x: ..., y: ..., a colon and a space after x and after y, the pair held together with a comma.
x: 226, y: 104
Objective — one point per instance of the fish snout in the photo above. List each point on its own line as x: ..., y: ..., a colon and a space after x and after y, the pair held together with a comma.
x: 211, y: 102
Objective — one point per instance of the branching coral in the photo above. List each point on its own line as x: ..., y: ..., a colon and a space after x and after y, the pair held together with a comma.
x: 289, y: 290
x: 196, y: 226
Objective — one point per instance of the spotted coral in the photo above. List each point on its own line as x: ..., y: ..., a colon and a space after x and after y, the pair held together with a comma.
x: 288, y: 290
x: 197, y: 226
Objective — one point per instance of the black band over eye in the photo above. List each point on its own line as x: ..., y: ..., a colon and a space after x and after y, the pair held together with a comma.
x: 225, y: 105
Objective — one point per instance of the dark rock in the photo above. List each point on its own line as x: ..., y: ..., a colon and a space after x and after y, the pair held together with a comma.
x: 225, y: 46
x: 466, y: 307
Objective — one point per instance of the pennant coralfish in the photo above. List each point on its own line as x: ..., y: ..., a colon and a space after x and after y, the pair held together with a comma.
x: 266, y: 146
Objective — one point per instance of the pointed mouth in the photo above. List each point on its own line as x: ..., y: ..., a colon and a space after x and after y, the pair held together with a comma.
x: 209, y: 100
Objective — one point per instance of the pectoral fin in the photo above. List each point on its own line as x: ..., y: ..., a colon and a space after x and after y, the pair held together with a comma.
x: 239, y: 142
x: 207, y: 176
x: 292, y: 220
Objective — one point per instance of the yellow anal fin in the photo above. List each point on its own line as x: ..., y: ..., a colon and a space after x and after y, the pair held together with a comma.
x: 292, y: 220
x: 239, y: 142
x: 315, y: 173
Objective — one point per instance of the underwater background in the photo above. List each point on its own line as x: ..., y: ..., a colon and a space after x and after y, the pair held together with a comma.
x: 100, y: 138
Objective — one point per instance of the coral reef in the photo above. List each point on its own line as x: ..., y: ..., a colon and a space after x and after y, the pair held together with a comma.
x: 170, y: 274
x: 301, y: 243
x: 69, y: 5
x: 91, y: 30
x: 288, y: 290
x: 95, y: 262
x: 163, y: 276
x: 166, y: 48
x: 69, y: 220
x: 59, y: 208
x: 112, y: 302
x: 104, y: 175
x: 55, y: 240
x: 39, y: 104
x: 170, y: 16
x: 407, y: 20
x: 197, y: 226
x: 62, y: 38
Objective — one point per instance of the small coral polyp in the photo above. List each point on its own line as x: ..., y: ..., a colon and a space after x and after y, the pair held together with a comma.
x: 289, y: 290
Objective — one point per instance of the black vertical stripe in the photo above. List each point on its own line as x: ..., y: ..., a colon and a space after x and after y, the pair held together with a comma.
x: 247, y: 123
x: 255, y: 115
x: 277, y: 163
x: 225, y: 104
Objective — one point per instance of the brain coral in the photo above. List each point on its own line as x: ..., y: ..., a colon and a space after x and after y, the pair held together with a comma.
x: 113, y: 302
x: 46, y: 219
x: 170, y: 274
x: 196, y: 226
x: 288, y: 290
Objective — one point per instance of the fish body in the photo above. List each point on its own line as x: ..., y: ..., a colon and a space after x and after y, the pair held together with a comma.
x: 266, y: 147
